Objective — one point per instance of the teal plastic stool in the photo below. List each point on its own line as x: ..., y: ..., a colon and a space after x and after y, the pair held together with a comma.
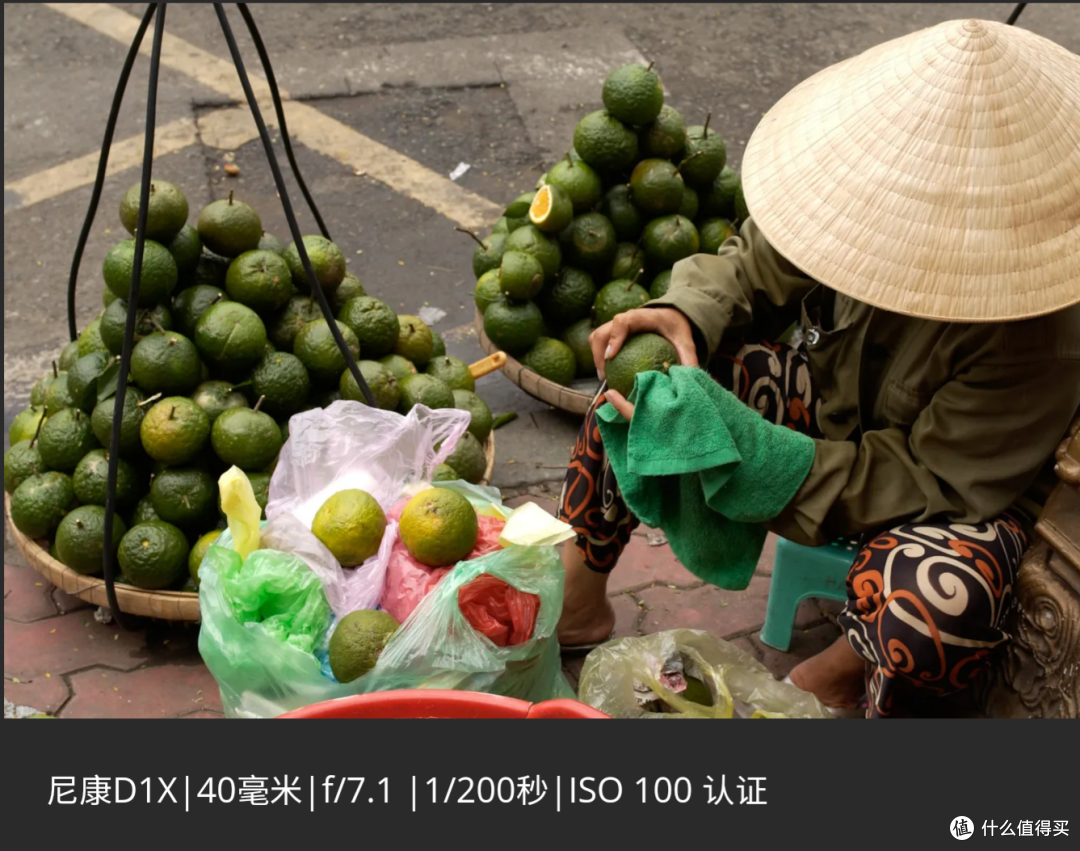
x: 800, y: 572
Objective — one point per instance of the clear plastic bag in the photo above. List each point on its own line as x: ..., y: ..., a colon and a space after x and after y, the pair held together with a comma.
x: 655, y: 676
x: 347, y: 590
x: 349, y: 445
x: 438, y: 648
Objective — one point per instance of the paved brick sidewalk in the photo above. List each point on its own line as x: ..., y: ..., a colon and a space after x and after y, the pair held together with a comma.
x: 59, y: 659
x: 652, y: 592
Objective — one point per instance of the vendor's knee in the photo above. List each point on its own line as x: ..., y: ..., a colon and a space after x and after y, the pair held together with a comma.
x: 927, y: 602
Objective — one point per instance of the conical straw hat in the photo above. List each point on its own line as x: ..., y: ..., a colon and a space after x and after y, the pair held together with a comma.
x: 936, y: 175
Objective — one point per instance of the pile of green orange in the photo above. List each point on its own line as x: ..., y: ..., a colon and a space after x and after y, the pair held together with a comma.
x: 229, y: 344
x: 638, y: 192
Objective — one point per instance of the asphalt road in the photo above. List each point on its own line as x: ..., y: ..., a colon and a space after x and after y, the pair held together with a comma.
x: 498, y: 87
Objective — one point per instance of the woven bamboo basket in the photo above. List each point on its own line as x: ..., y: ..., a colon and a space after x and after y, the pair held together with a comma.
x: 166, y: 605
x: 567, y: 399
x: 163, y: 605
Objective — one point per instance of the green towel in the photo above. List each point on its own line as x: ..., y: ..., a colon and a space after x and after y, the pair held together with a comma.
x: 706, y: 469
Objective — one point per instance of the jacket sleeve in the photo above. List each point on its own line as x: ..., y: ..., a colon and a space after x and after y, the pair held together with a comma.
x: 969, y: 456
x: 718, y: 292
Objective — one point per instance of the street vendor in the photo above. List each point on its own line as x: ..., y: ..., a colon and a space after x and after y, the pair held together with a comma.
x: 915, y: 218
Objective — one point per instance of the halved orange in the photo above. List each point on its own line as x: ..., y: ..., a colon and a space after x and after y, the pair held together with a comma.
x: 551, y: 209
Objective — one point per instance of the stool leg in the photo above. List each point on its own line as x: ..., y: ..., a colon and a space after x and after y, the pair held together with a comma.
x: 784, y: 600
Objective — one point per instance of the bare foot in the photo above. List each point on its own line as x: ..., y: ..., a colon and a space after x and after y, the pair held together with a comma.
x: 834, y: 676
x: 587, y: 615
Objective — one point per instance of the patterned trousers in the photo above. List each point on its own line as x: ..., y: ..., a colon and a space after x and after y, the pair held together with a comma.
x: 926, y: 601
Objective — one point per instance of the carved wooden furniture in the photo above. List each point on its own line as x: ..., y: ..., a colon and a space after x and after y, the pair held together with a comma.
x: 1037, y: 675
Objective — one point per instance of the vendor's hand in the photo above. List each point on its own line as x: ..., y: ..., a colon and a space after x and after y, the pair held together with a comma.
x: 619, y: 403
x: 669, y: 323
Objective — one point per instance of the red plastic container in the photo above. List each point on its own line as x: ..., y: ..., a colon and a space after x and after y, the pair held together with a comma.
x: 424, y: 703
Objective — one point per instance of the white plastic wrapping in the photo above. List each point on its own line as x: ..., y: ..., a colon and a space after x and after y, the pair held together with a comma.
x: 359, y: 587
x: 349, y: 445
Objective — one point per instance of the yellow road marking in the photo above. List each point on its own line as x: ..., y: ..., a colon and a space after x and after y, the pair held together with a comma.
x: 225, y: 129
x: 79, y: 172
x: 307, y: 125
x: 330, y: 137
x: 194, y: 62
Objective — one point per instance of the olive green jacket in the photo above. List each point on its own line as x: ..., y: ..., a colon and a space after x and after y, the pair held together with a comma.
x: 922, y: 419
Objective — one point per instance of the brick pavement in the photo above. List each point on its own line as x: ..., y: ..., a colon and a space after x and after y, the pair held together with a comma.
x: 651, y: 592
x: 60, y: 660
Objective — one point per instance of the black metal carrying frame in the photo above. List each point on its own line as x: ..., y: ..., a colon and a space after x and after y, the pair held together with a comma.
x: 156, y: 12
x: 1015, y: 13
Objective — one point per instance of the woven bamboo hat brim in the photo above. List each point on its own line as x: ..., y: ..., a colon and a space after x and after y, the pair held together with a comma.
x: 936, y: 175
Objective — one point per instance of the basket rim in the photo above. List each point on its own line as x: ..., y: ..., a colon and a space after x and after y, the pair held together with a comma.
x: 164, y: 605
x: 564, y: 398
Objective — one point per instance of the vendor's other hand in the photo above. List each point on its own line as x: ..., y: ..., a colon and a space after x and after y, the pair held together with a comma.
x: 619, y: 403
x: 669, y: 323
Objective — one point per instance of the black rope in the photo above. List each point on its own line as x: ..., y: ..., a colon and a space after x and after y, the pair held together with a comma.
x: 294, y: 228
x: 103, y: 161
x: 264, y: 57
x: 132, y: 311
x: 1016, y: 13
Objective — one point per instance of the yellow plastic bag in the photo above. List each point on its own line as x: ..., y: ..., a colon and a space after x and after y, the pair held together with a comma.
x: 531, y: 526
x: 241, y: 510
x: 655, y: 676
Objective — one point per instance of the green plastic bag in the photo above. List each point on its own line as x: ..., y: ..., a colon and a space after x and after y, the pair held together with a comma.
x: 263, y: 621
x: 437, y: 648
x: 278, y: 592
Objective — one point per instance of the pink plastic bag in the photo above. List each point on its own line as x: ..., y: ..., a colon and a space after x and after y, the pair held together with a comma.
x: 408, y: 581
